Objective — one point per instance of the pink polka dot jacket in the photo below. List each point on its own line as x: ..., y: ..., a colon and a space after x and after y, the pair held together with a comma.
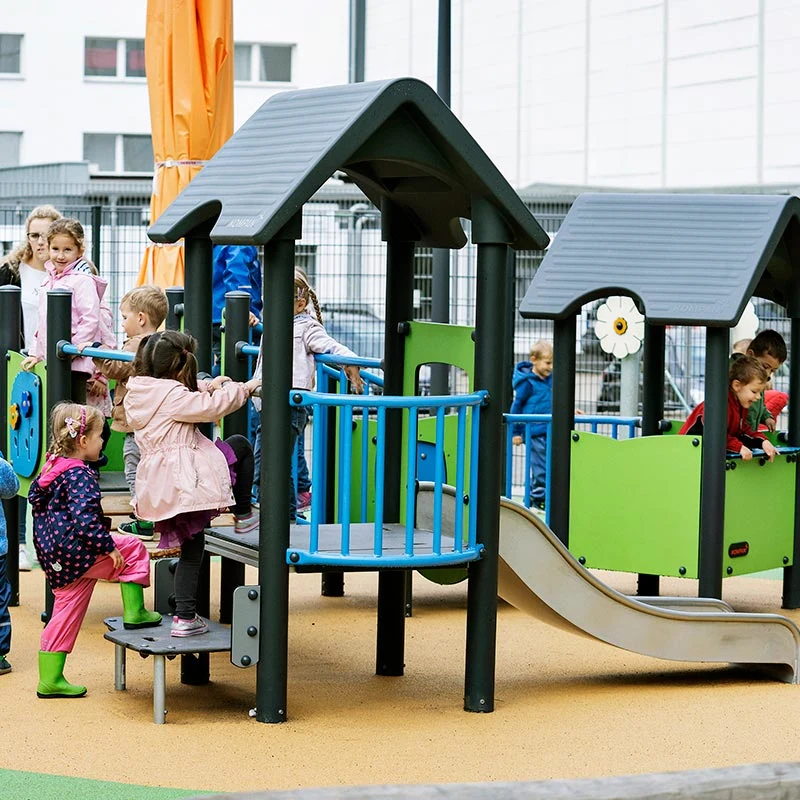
x: 70, y: 530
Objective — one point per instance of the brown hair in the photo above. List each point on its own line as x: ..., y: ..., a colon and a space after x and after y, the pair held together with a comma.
x: 746, y: 370
x: 67, y: 227
x: 169, y: 354
x: 23, y: 252
x: 769, y: 343
x: 150, y: 300
x: 303, y: 291
x: 541, y: 349
x: 68, y: 421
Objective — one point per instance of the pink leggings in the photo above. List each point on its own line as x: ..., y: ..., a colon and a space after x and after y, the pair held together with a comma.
x: 72, y: 600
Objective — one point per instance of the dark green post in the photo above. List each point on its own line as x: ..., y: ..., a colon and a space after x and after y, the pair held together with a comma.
x: 563, y: 423
x: 271, y: 679
x: 400, y: 237
x: 59, y: 375
x: 652, y: 413
x: 97, y: 225
x: 175, y: 308
x: 492, y: 235
x: 10, y: 313
x: 791, y: 574
x: 237, y: 312
x: 712, y: 487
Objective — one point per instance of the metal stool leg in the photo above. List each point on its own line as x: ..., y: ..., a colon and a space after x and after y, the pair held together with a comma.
x: 159, y: 689
x: 119, y: 667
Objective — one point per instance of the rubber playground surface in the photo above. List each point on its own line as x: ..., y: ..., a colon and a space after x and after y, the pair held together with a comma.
x: 565, y: 706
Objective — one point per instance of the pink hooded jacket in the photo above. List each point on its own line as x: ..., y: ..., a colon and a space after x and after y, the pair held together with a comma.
x: 181, y: 470
x: 91, y: 315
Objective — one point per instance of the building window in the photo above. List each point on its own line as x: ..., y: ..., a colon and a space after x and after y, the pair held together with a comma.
x: 113, y: 58
x: 118, y: 152
x: 305, y: 257
x: 264, y: 63
x: 9, y: 148
x: 10, y: 53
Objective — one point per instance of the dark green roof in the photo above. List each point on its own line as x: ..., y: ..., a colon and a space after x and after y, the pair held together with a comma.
x: 689, y: 259
x: 395, y: 139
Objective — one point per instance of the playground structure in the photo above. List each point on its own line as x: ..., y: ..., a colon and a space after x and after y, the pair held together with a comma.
x: 416, y: 162
x: 688, y: 510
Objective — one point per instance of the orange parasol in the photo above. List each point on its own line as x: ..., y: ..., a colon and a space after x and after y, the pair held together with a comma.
x: 189, y: 66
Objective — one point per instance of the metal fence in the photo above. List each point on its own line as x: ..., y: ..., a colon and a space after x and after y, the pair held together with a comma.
x: 342, y: 252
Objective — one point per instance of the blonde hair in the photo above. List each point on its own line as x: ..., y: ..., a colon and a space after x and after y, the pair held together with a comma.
x: 67, y: 227
x: 541, y: 349
x: 69, y: 421
x: 23, y: 252
x: 150, y: 300
x: 303, y: 291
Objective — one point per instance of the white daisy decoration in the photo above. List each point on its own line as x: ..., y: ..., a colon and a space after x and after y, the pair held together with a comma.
x: 747, y: 326
x: 619, y: 326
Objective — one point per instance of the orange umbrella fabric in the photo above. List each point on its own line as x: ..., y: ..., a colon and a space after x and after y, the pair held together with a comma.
x: 189, y: 66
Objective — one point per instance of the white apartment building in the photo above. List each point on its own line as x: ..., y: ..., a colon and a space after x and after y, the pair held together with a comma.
x: 629, y: 93
x: 72, y: 83
x: 633, y: 93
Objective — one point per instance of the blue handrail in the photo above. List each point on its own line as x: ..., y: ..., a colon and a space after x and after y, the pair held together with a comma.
x: 464, y: 546
x: 69, y: 349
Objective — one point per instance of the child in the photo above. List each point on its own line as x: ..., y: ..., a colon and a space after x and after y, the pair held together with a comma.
x: 309, y: 338
x: 142, y: 309
x: 9, y: 485
x: 91, y: 319
x: 769, y: 349
x: 74, y: 545
x: 746, y: 381
x: 533, y: 394
x: 183, y: 479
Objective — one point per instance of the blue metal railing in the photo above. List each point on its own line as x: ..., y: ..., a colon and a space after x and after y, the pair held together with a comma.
x: 69, y: 349
x: 464, y: 546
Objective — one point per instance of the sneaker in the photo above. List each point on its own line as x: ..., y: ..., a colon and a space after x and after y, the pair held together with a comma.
x: 4, y: 666
x: 188, y: 627
x: 247, y: 523
x: 303, y: 500
x: 139, y: 528
x: 25, y: 563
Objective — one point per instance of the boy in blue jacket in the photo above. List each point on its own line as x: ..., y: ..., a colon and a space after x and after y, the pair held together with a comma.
x: 533, y: 394
x: 9, y: 485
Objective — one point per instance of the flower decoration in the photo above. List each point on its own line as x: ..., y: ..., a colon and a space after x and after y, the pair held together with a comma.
x: 13, y: 416
x: 619, y: 326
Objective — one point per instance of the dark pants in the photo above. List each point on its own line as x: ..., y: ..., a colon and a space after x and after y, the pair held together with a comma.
x: 187, y: 573
x: 5, y: 616
x: 538, y: 468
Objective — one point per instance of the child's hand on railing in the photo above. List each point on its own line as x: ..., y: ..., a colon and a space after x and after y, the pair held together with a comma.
x: 253, y: 320
x: 29, y: 362
x: 82, y: 347
x: 254, y: 387
x: 218, y: 382
x: 769, y: 450
x: 354, y: 376
x: 746, y: 453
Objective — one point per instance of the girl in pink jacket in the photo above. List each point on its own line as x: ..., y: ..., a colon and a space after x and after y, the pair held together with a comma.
x: 91, y: 315
x: 183, y: 479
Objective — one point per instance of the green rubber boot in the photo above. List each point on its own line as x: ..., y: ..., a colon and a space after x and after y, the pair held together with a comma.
x: 52, y: 682
x: 134, y: 614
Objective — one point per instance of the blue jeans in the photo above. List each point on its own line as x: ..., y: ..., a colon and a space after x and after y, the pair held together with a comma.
x: 303, y: 475
x: 5, y: 616
x: 538, y: 446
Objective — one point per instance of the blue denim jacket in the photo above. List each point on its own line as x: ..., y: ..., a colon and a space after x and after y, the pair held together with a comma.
x: 9, y: 486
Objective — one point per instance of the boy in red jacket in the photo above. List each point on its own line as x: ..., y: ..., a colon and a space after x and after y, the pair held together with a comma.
x: 746, y: 381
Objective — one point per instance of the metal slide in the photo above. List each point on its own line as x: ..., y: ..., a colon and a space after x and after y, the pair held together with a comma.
x: 538, y: 575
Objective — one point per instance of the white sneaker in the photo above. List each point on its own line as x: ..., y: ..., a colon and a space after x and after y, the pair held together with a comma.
x: 25, y: 563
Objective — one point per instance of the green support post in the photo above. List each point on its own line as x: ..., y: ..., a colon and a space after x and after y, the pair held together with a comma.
x: 237, y: 313
x: 712, y: 494
x: 10, y: 313
x: 271, y: 678
x: 400, y: 237
x: 492, y: 235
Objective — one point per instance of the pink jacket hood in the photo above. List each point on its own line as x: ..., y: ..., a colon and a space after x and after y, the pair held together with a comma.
x: 91, y: 315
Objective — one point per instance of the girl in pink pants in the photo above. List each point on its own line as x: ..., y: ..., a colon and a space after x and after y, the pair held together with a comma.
x: 74, y: 545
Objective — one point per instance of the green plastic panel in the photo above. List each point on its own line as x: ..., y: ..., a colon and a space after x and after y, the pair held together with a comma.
x: 759, y: 512
x: 635, y: 503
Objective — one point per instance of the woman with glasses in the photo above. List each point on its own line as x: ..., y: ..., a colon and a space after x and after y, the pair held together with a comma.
x: 24, y: 267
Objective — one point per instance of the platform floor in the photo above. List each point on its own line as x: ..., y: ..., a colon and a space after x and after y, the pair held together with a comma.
x: 565, y: 706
